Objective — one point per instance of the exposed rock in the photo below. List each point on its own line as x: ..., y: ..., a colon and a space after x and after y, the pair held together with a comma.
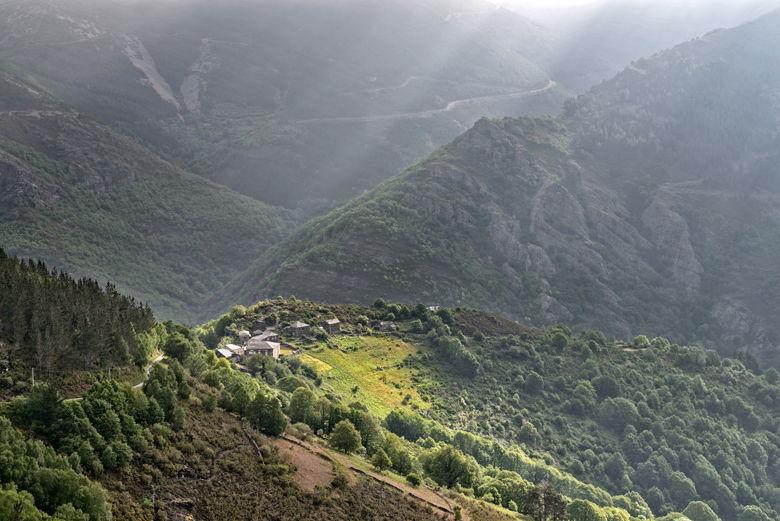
x: 669, y: 232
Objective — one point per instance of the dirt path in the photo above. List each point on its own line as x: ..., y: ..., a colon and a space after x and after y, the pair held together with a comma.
x: 148, y: 370
x: 431, y: 112
x: 428, y: 496
x: 311, y: 470
x: 37, y: 113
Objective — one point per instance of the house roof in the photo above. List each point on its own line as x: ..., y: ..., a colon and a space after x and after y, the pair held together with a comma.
x: 298, y: 324
x: 227, y: 353
x: 255, y: 344
x: 266, y: 334
x: 233, y: 347
x: 333, y: 321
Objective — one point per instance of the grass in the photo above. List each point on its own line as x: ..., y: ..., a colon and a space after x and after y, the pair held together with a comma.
x: 373, y: 365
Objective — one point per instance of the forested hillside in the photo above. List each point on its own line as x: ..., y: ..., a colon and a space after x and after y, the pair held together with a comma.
x: 661, y: 427
x: 158, y: 450
x: 197, y: 436
x: 650, y: 205
x: 57, y: 324
x: 91, y: 200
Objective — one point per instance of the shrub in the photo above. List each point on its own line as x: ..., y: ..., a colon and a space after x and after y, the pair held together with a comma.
x: 448, y: 467
x: 534, y: 383
x: 345, y: 437
x: 381, y: 460
x: 700, y: 511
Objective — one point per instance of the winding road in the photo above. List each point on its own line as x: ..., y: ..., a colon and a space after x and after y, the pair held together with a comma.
x: 430, y: 112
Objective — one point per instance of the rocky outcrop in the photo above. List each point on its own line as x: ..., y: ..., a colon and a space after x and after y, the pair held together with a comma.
x: 669, y: 233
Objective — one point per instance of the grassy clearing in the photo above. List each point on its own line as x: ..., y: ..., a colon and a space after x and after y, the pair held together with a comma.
x: 373, y: 364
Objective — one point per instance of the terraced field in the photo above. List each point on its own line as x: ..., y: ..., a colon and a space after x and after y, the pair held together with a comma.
x: 369, y: 369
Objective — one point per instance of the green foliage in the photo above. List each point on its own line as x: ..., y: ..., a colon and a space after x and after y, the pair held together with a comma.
x: 534, y: 383
x: 45, y: 481
x: 449, y: 467
x: 60, y: 324
x: 752, y: 513
x: 408, y: 425
x: 699, y: 511
x: 265, y: 414
x: 178, y: 346
x: 302, y: 406
x: 579, y: 510
x: 544, y: 503
x: 618, y: 413
x: 153, y: 228
x: 380, y: 460
x: 345, y: 437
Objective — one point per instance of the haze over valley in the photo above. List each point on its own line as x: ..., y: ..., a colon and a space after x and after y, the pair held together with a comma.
x: 389, y: 259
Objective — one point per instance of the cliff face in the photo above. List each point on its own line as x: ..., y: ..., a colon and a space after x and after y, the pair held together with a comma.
x: 651, y: 206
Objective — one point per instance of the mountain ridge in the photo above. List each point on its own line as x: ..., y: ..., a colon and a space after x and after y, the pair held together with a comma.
x: 639, y: 209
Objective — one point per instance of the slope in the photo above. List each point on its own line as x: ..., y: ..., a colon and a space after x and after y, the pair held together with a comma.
x: 293, y: 103
x: 676, y: 424
x: 650, y: 205
x: 93, y: 201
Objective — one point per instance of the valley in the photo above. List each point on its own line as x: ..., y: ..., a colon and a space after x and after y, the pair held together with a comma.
x: 374, y: 260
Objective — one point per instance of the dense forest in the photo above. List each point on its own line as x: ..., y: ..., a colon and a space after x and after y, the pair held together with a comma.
x: 675, y: 423
x: 52, y: 322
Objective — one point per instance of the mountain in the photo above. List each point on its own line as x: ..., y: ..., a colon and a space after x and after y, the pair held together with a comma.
x: 98, y: 203
x: 621, y: 31
x: 650, y: 205
x: 275, y: 99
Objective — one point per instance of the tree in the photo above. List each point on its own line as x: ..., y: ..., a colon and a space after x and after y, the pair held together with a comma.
x: 371, y: 435
x: 681, y: 489
x: 700, y: 511
x: 752, y: 513
x: 544, y: 503
x: 407, y: 425
x: 559, y: 340
x: 641, y: 341
x: 581, y: 510
x: 528, y: 434
x: 617, y: 413
x: 265, y: 413
x: 448, y: 467
x: 534, y: 383
x: 345, y: 437
x: 177, y: 346
x: 301, y: 408
x: 381, y: 460
x: 606, y: 386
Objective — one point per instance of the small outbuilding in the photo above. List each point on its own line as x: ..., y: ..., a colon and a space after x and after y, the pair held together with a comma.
x: 332, y: 325
x: 235, y: 349
x: 225, y: 353
x: 384, y: 325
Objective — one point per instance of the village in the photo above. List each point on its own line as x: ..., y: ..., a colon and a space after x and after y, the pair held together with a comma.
x: 266, y: 339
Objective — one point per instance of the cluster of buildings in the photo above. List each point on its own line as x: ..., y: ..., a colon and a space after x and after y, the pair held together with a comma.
x: 266, y: 342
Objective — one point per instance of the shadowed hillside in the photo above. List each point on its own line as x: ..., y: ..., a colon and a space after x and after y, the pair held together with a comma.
x: 651, y: 205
